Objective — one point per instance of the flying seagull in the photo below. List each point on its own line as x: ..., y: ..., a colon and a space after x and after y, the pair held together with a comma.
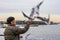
x: 34, y: 12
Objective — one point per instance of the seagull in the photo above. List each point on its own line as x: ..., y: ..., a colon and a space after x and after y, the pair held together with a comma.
x: 34, y: 12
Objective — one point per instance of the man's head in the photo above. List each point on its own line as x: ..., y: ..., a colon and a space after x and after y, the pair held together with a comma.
x: 11, y: 21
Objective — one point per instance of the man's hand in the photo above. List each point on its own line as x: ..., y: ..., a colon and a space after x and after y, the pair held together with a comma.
x: 29, y: 22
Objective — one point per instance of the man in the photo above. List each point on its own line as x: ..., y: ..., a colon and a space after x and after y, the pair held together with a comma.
x: 12, y: 32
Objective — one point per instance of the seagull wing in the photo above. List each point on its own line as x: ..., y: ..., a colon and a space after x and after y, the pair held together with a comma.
x: 38, y: 7
x: 39, y: 4
x: 35, y: 10
x: 25, y: 15
x: 32, y: 12
x: 41, y: 18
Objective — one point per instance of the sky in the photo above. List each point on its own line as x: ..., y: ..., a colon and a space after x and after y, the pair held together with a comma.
x: 14, y: 8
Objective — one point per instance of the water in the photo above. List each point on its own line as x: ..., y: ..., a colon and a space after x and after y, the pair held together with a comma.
x: 42, y: 32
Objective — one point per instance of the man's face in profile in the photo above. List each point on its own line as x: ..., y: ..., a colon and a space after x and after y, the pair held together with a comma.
x: 13, y: 22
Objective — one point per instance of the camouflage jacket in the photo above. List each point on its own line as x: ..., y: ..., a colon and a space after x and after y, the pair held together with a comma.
x: 12, y: 32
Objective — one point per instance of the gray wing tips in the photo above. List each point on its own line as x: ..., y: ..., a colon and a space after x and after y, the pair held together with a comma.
x: 43, y: 19
x: 40, y: 18
x: 40, y: 3
x: 25, y: 15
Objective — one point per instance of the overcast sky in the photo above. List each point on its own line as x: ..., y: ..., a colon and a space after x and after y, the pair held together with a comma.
x: 16, y: 6
x: 49, y: 6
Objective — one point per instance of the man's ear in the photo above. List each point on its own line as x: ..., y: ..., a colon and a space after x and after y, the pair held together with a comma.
x: 11, y: 22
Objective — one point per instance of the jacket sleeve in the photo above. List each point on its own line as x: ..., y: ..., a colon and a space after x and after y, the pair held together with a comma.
x: 17, y: 30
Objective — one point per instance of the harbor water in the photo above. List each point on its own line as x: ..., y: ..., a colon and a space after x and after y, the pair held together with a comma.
x: 40, y: 32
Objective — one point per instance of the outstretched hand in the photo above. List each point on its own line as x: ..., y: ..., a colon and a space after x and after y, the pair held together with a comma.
x: 29, y: 22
